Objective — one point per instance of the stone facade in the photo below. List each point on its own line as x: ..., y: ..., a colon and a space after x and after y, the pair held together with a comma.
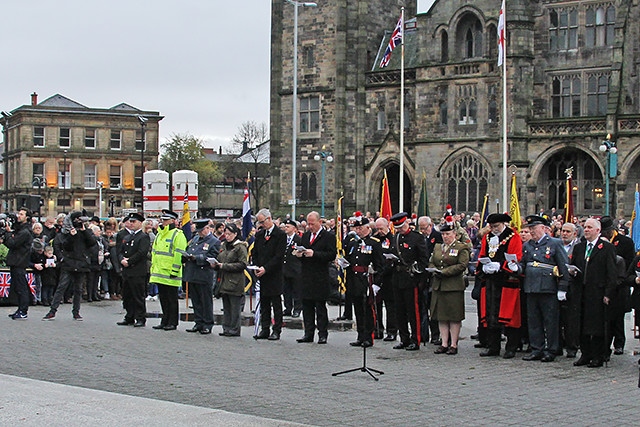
x: 95, y: 145
x: 572, y: 78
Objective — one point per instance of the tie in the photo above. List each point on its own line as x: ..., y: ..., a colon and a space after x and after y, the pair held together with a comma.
x: 289, y: 240
x: 267, y: 233
x: 313, y: 237
x: 589, y: 249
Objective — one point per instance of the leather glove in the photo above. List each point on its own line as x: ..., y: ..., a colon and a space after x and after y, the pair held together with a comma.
x: 491, y: 268
x: 562, y: 295
x: 376, y: 289
x: 513, y: 266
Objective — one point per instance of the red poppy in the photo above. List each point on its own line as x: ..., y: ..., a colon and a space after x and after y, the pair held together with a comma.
x: 405, y: 245
x: 600, y: 246
x: 615, y: 243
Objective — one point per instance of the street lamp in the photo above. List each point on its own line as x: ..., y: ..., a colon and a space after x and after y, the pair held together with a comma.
x: 5, y: 156
x: 39, y: 181
x: 143, y: 124
x: 294, y: 122
x: 323, y: 156
x: 100, y: 184
x: 611, y: 167
x: 64, y: 182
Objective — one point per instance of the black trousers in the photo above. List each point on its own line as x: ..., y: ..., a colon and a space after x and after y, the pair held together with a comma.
x: 20, y: 286
x: 494, y: 336
x: 134, y: 291
x: 266, y: 304
x: 291, y: 293
x: 202, y: 299
x: 364, y: 317
x: 407, y: 314
x: 616, y: 329
x: 593, y: 348
x: 428, y: 325
x: 314, y: 315
x: 169, y: 303
x: 386, y: 296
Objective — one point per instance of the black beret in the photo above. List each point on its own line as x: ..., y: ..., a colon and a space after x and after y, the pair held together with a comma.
x: 532, y: 220
x: 446, y: 227
x: 498, y: 217
x: 290, y: 222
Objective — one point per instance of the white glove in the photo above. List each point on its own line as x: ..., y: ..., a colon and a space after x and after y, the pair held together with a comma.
x: 491, y: 268
x: 513, y: 266
x: 562, y: 295
x: 376, y: 289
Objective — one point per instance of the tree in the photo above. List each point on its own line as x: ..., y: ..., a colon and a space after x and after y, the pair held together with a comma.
x: 250, y: 144
x: 185, y: 151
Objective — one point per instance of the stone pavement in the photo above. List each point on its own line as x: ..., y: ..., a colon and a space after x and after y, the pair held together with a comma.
x: 292, y: 382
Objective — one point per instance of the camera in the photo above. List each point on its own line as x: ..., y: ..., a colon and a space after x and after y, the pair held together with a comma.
x: 8, y: 220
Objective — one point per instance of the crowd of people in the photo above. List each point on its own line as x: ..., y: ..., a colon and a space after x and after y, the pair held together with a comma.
x: 551, y: 288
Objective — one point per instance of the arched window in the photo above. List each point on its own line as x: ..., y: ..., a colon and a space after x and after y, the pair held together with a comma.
x: 313, y: 192
x: 304, y: 187
x: 382, y: 120
x: 468, y: 35
x: 443, y: 112
x: 444, y: 46
x: 467, y: 183
x: 493, y: 41
x: 468, y: 44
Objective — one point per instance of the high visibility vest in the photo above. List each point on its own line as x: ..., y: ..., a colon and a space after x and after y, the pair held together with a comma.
x: 166, y: 261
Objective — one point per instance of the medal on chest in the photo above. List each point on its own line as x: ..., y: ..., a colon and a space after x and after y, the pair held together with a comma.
x: 453, y: 252
x: 494, y: 244
x: 205, y: 247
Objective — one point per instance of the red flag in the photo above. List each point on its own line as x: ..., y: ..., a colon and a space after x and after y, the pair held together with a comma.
x: 385, y: 201
x: 568, y: 207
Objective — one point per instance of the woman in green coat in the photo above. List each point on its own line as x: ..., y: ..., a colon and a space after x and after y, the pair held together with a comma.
x: 449, y: 262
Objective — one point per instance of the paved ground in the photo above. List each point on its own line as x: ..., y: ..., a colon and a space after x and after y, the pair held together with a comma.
x: 292, y: 382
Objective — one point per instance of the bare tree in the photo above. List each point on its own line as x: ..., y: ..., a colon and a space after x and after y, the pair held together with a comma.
x: 250, y: 145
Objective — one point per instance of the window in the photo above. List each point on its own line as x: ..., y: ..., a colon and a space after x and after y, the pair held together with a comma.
x: 64, y: 202
x: 444, y: 47
x: 116, y: 140
x: 115, y: 177
x: 308, y: 59
x: 137, y: 181
x: 64, y: 175
x: 599, y: 25
x: 308, y: 184
x: 382, y: 120
x: 90, y: 138
x: 469, y: 37
x: 565, y: 98
x: 563, y: 29
x: 89, y: 203
x: 37, y: 177
x: 65, y: 138
x: 310, y: 114
x: 492, y: 105
x: 598, y: 87
x: 90, y: 176
x: 38, y: 136
x: 467, y: 180
x: 467, y: 106
x: 140, y: 141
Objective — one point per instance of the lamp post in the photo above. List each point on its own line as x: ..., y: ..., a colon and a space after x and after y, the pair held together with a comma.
x: 143, y: 125
x: 294, y: 121
x: 64, y: 182
x: 5, y: 156
x: 100, y: 184
x: 611, y: 167
x: 323, y: 156
x: 39, y: 181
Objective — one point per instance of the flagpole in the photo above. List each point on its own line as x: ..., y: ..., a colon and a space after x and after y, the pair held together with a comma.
x: 401, y: 204
x: 504, y: 112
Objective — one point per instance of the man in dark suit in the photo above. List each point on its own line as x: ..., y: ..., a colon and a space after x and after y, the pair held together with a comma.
x: 319, y: 251
x: 595, y: 284
x: 267, y: 255
x: 621, y: 299
x: 570, y: 323
x: 431, y: 238
x: 133, y: 258
x: 291, y: 272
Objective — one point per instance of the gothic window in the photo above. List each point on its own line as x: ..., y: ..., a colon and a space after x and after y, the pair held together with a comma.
x: 313, y: 190
x: 599, y: 25
x: 443, y: 112
x: 308, y: 58
x: 467, y: 180
x: 598, y: 87
x: 304, y: 187
x: 565, y: 97
x: 468, y: 44
x: 467, y: 106
x: 382, y: 120
x: 310, y: 114
x: 492, y: 105
x: 469, y: 37
x: 563, y: 29
x: 308, y: 190
x: 493, y: 41
x: 444, y: 47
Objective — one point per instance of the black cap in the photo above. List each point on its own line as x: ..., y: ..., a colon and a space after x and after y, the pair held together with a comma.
x: 135, y: 216
x: 290, y: 222
x: 167, y: 214
x: 201, y: 223
x: 606, y: 223
x: 446, y: 227
x: 358, y: 219
x: 498, y: 217
x: 96, y: 219
x: 399, y: 218
x: 532, y: 220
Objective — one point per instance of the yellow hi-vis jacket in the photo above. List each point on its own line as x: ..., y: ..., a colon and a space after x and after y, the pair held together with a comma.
x: 166, y: 261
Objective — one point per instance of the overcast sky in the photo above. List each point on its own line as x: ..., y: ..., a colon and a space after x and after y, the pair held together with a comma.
x: 203, y: 64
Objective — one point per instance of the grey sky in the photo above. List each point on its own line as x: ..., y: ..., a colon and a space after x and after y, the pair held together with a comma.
x: 203, y: 64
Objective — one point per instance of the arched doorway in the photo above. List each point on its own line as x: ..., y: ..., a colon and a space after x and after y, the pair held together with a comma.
x: 393, y: 173
x: 588, y: 184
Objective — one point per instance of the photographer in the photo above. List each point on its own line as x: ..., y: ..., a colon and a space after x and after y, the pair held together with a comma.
x: 18, y: 241
x: 75, y: 244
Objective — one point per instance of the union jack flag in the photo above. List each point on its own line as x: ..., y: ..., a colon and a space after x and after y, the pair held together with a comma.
x: 5, y: 285
x: 395, y: 40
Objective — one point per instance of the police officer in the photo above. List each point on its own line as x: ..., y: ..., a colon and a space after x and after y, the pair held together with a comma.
x: 363, y: 251
x: 410, y: 249
x: 199, y: 273
x: 544, y: 265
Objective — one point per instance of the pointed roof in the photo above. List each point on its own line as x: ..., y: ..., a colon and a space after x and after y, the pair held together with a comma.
x: 58, y: 100
x: 124, y: 106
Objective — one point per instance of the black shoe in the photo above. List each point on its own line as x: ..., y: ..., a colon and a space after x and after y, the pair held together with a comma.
x: 412, y: 347
x: 436, y: 341
x: 582, y: 361
x: 196, y: 329
x: 366, y: 344
x: 441, y: 350
x: 138, y: 324
x: 595, y: 363
x: 618, y: 351
x: 390, y: 337
x: 125, y: 322
x: 169, y: 327
x: 322, y: 340
x: 356, y: 343
x: 509, y: 354
x: 295, y: 314
x: 489, y: 353
x: 275, y: 336
x: 532, y: 356
x: 205, y: 331
x: 548, y: 358
x: 263, y: 335
x: 305, y: 339
x: 474, y: 336
x: 400, y: 346
x: 480, y: 345
x: 571, y: 354
x: 343, y: 318
x: 158, y: 327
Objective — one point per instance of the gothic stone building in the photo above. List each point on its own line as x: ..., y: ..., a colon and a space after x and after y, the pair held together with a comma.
x: 61, y: 150
x: 572, y: 78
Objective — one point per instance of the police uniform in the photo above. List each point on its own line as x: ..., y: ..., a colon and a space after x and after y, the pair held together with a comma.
x: 411, y: 250
x: 361, y: 254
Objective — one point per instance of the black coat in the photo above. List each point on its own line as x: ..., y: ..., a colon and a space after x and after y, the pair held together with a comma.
x: 626, y: 249
x: 135, y: 247
x: 291, y: 264
x: 269, y: 253
x: 597, y: 279
x: 19, y: 244
x: 76, y: 250
x: 199, y: 270
x: 316, y: 282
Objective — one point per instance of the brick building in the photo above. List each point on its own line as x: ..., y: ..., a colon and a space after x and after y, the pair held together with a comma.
x: 61, y: 151
x: 572, y: 79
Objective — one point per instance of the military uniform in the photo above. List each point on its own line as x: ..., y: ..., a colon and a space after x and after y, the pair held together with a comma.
x: 385, y: 295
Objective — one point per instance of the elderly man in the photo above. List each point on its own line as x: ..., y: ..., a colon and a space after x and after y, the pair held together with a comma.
x: 431, y: 238
x: 544, y: 265
x: 570, y: 308
x: 385, y: 295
